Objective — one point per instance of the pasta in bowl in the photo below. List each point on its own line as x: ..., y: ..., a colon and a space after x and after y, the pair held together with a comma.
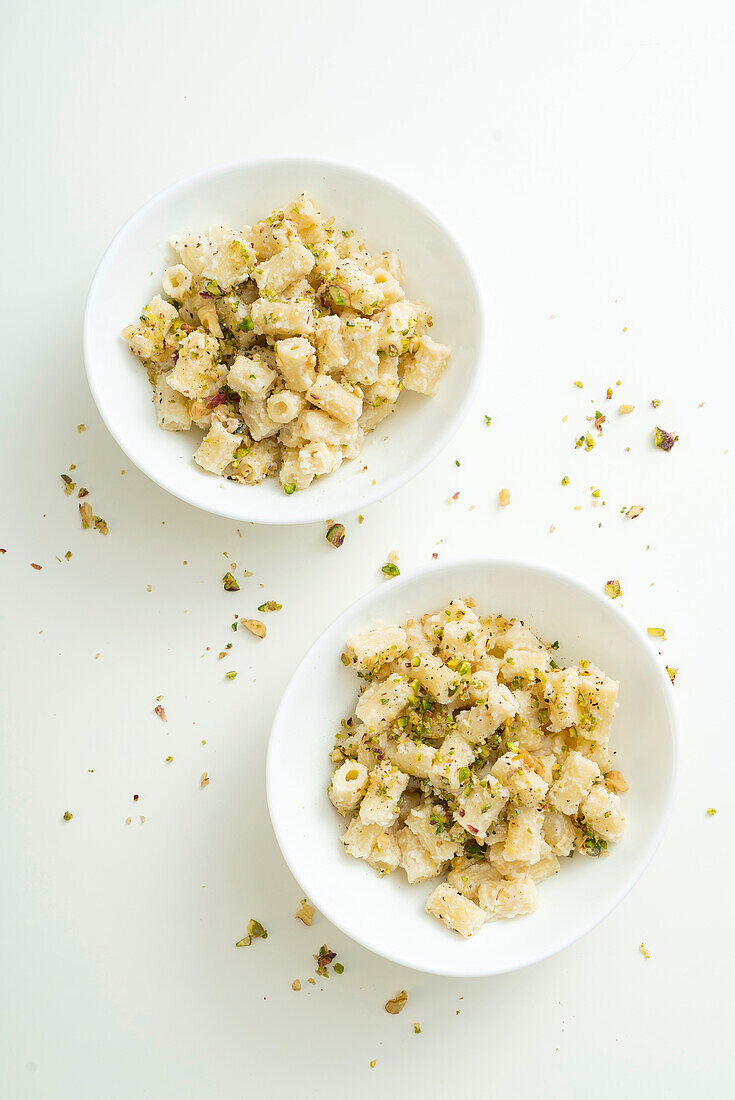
x: 561, y: 798
x: 472, y: 754
x: 297, y: 344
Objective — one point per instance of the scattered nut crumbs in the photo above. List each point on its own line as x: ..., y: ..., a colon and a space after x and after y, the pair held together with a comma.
x: 323, y: 959
x: 417, y: 1029
x: 69, y: 485
x: 372, y: 1064
x: 397, y: 1004
x: 615, y: 781
x: 613, y: 589
x: 504, y: 497
x: 67, y: 555
x: 271, y: 605
x: 672, y: 673
x: 391, y: 569
x: 254, y: 626
x: 67, y: 815
x: 229, y: 583
x: 161, y: 713
x: 204, y: 781
x: 85, y: 511
x: 305, y: 912
x: 609, y: 393
x: 169, y: 759
x: 230, y: 675
x: 565, y: 480
x: 579, y: 385
x: 663, y: 439
x: 655, y: 403
x: 586, y: 441
x: 597, y: 420
x: 360, y: 518
x: 35, y: 565
x: 83, y: 492
x: 488, y: 420
x: 335, y: 533
x: 296, y: 985
x: 81, y: 427
x: 339, y: 968
x: 644, y: 951
x: 711, y: 811
x: 101, y: 526
x: 656, y: 632
x: 624, y: 409
x: 634, y: 511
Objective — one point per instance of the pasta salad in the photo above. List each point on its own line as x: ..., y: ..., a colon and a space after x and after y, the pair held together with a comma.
x: 473, y: 756
x: 286, y: 342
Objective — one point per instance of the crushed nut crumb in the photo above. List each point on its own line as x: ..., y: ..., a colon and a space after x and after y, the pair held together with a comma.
x: 254, y: 626
x: 397, y: 1004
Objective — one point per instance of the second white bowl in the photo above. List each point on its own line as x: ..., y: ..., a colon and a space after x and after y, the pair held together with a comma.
x: 436, y: 271
x: 387, y: 915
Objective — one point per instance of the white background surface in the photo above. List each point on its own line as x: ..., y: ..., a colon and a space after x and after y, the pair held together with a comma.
x: 581, y: 152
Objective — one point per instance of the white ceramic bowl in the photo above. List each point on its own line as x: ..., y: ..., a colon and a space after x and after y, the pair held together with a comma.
x: 435, y: 271
x: 387, y: 915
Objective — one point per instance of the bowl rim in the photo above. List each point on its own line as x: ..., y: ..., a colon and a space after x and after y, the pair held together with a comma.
x: 436, y: 442
x: 553, y: 574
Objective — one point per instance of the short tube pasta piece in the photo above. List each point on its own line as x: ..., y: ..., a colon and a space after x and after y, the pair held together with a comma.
x: 456, y: 911
x: 284, y: 406
x: 349, y: 783
x: 334, y: 399
x: 250, y: 377
x: 217, y: 448
x: 423, y: 372
x: 296, y: 360
x: 386, y: 784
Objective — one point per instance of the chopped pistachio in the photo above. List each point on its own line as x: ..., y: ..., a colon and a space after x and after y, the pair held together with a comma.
x: 615, y: 781
x: 634, y: 511
x: 624, y: 409
x: 81, y: 427
x: 488, y: 420
x: 711, y: 811
x: 169, y: 759
x: 613, y: 589
x: 565, y: 480
x: 335, y: 534
x: 323, y: 959
x: 656, y: 632
x: 229, y: 583
x: 69, y: 485
x: 100, y: 525
x: 161, y: 713
x: 397, y: 1004
x: 254, y: 626
x: 296, y: 985
x: 83, y: 492
x: 391, y: 569
x: 663, y: 439
x: 289, y: 488
x: 655, y: 403
x: 244, y: 942
x: 504, y: 497
x: 270, y: 605
x: 672, y: 673
x: 230, y: 675
x: 579, y: 385
x: 256, y: 930
x: 339, y: 968
x: 644, y: 951
x: 417, y: 1029
x: 85, y: 511
x: 204, y: 781
x: 67, y: 815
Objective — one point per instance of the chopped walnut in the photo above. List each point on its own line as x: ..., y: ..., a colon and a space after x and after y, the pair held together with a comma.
x: 254, y: 626
x: 397, y: 1003
x: 305, y: 912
